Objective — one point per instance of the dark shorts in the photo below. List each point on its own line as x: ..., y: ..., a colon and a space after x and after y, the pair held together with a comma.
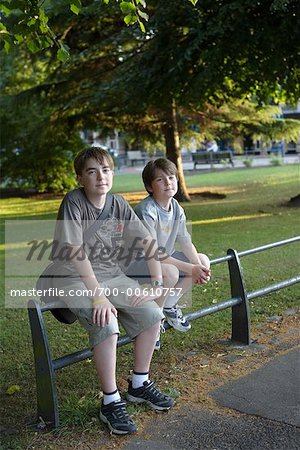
x: 139, y: 270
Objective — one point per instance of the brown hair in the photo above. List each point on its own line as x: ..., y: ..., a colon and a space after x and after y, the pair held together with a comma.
x: 98, y: 153
x: 164, y: 164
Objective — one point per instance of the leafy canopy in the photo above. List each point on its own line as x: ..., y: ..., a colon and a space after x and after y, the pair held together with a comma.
x: 30, y: 21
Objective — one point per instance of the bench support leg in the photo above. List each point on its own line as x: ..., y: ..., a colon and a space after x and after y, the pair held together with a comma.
x: 47, y: 406
x: 241, y: 312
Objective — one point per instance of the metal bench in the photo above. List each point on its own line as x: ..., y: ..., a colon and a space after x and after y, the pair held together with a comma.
x: 204, y: 157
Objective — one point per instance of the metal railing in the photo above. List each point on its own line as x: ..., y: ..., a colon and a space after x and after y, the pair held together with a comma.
x: 45, y: 366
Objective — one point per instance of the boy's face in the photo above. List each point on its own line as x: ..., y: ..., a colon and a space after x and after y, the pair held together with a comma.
x: 96, y: 178
x: 164, y: 186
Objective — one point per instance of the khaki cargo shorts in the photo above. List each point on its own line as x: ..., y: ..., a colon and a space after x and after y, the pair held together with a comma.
x: 118, y: 290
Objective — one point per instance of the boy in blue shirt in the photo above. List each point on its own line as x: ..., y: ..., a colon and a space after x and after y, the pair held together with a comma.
x: 166, y: 222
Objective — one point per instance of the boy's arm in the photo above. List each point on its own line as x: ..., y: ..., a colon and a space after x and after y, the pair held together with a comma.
x: 201, y: 261
x: 199, y: 272
x: 191, y: 253
x: 102, y: 308
x: 154, y: 264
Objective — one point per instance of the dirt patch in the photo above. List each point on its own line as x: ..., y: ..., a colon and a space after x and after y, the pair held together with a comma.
x: 294, y: 202
x: 206, y: 195
x: 30, y: 193
x: 196, y: 194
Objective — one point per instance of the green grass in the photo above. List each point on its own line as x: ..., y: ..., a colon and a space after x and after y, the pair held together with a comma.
x: 253, y: 213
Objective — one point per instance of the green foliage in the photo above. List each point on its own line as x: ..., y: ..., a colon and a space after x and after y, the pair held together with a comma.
x: 248, y: 162
x: 276, y: 160
x: 28, y: 22
x: 42, y: 165
x: 216, y: 61
x: 245, y: 118
x: 35, y: 153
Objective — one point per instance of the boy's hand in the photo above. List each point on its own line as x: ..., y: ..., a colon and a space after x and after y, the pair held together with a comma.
x: 102, y: 311
x: 200, y: 274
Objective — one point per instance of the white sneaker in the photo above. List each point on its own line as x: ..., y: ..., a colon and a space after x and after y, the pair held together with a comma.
x: 161, y: 330
x: 175, y: 318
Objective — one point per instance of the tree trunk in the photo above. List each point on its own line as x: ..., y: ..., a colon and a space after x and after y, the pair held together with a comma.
x: 173, y: 152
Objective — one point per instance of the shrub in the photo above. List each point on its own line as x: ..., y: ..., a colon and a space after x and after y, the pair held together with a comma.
x: 248, y: 162
x: 276, y: 160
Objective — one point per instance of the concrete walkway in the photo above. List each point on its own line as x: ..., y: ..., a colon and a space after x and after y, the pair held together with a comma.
x: 201, y: 429
x: 273, y: 391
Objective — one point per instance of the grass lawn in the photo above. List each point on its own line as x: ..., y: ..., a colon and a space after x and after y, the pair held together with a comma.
x: 253, y: 213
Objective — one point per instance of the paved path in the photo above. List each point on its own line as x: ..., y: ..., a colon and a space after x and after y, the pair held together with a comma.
x: 238, y: 163
x: 273, y: 391
x: 201, y: 429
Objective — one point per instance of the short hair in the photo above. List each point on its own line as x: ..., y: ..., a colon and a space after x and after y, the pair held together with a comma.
x: 164, y: 164
x: 98, y: 153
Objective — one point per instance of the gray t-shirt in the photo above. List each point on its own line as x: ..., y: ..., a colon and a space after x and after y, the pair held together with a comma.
x: 107, y: 245
x: 167, y: 227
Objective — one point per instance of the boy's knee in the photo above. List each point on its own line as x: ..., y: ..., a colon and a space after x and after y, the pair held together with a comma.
x: 170, y: 275
x: 204, y: 259
x: 97, y: 335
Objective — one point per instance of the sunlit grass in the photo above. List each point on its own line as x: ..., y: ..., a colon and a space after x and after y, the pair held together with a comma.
x: 131, y: 184
x: 229, y: 219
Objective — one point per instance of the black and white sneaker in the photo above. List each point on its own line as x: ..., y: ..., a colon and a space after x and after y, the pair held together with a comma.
x: 117, y: 418
x: 151, y: 395
x: 175, y: 319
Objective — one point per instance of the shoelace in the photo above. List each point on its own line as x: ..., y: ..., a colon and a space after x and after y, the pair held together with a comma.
x: 152, y: 389
x: 162, y: 327
x: 179, y: 314
x: 121, y: 412
x: 179, y: 311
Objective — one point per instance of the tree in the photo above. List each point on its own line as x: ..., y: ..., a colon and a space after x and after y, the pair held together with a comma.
x: 213, y: 53
x: 163, y: 79
x: 34, y: 154
x: 35, y: 151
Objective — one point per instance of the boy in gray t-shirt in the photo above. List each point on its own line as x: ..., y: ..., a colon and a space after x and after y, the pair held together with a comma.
x: 97, y: 291
x: 166, y: 222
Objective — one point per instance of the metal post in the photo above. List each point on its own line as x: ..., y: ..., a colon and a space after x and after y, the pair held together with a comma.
x: 47, y: 406
x: 240, y: 312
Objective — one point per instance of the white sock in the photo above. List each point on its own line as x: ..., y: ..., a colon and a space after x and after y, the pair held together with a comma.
x: 138, y: 379
x: 111, y: 397
x: 172, y: 300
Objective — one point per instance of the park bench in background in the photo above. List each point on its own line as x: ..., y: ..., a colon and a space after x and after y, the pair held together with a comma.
x: 45, y: 366
x: 204, y: 157
x: 135, y: 156
x: 120, y: 161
